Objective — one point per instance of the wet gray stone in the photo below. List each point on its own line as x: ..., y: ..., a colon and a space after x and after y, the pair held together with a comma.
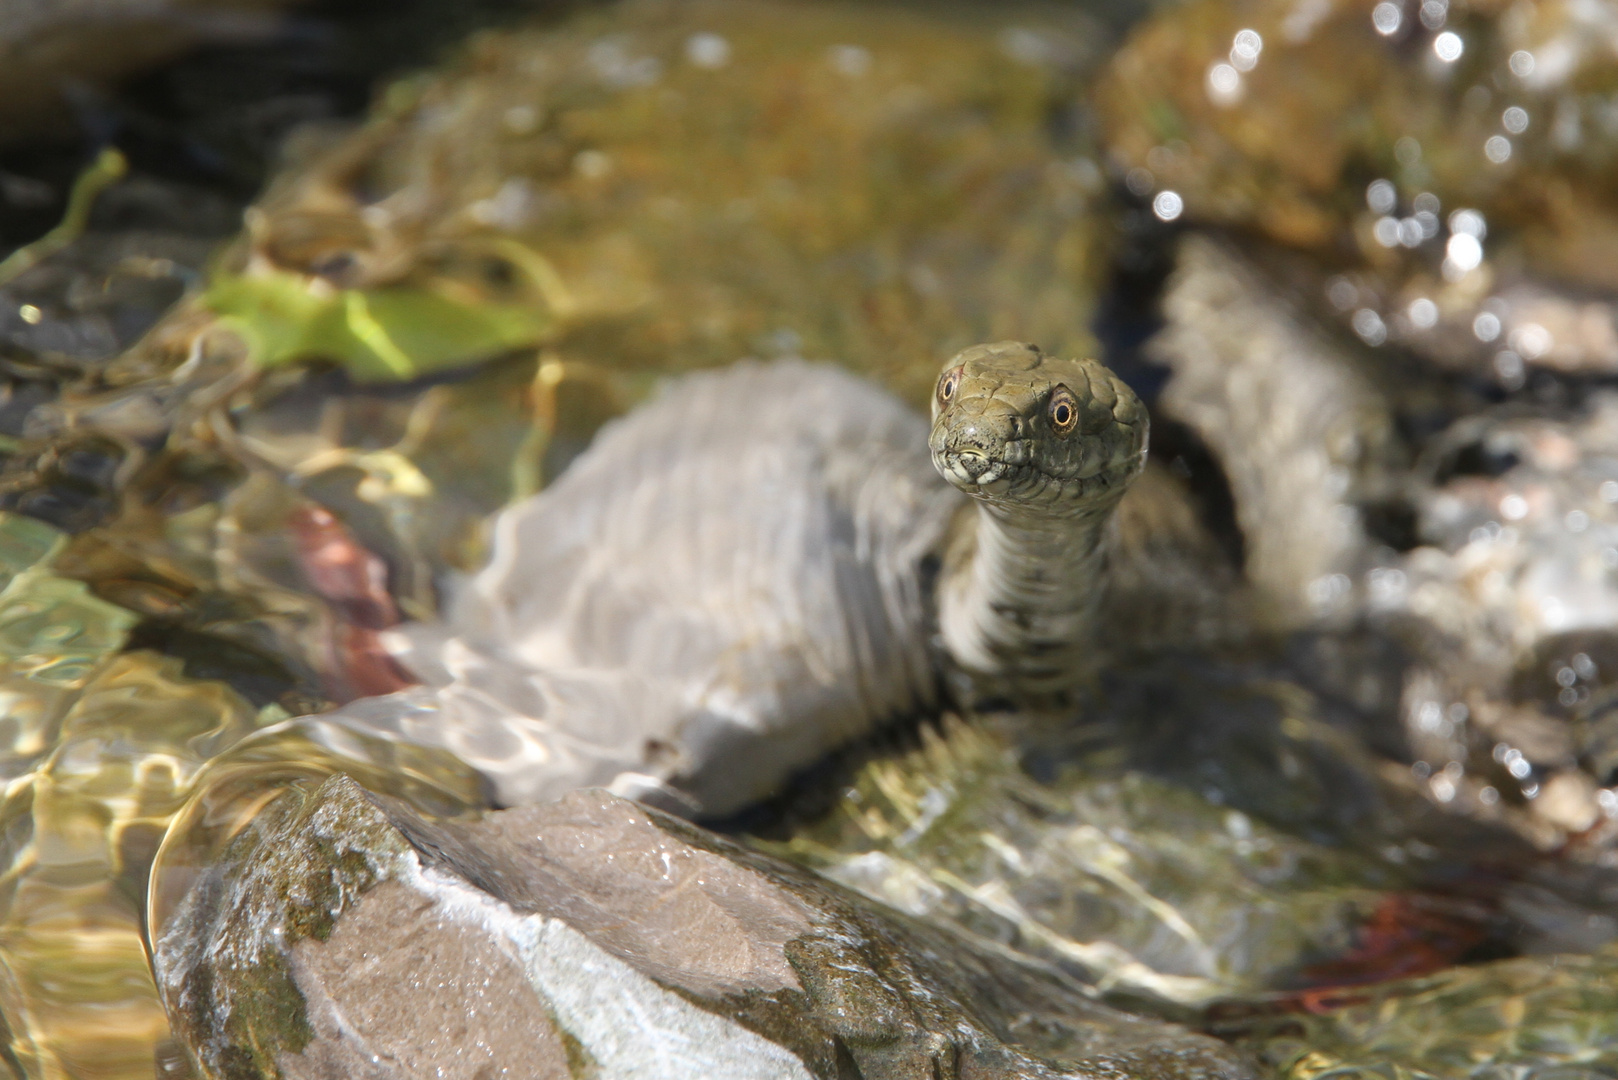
x: 340, y: 934
x: 1301, y: 434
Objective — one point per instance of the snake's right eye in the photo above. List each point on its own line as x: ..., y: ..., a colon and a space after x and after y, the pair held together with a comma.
x: 948, y: 385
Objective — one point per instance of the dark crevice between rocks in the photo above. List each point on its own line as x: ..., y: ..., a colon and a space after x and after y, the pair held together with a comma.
x: 258, y: 676
x: 1128, y: 315
x: 216, y: 117
x: 811, y: 793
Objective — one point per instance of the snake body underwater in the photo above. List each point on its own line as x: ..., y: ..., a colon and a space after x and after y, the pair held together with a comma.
x: 768, y: 560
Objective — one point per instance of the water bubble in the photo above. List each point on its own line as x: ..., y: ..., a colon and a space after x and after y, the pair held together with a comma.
x: 1497, y: 149
x: 1342, y: 293
x: 1448, y: 46
x: 1566, y: 676
x: 1426, y: 203
x: 1443, y: 787
x: 1027, y: 46
x: 1608, y: 799
x: 1577, y: 521
x: 1325, y: 591
x: 850, y: 60
x: 1433, y: 13
x: 1224, y: 84
x: 1522, y: 63
x: 1518, y: 766
x: 1369, y: 326
x: 1488, y: 796
x: 1421, y: 770
x: 1466, y: 253
x: 1407, y: 150
x: 1513, y: 507
x: 1299, y: 24
x: 1532, y: 341
x: 1486, y: 327
x: 1469, y: 223
x: 519, y: 120
x: 1423, y: 313
x: 1584, y: 666
x: 1086, y: 173
x: 1515, y: 120
x: 592, y: 164
x: 1609, y: 557
x: 1140, y: 182
x: 1411, y: 234
x: 30, y: 314
x: 1168, y: 205
x: 1386, y: 231
x: 707, y: 50
x: 1387, y: 18
x: 1381, y: 196
x: 1244, y: 53
x: 1608, y: 491
x: 1428, y: 222
x: 619, y: 69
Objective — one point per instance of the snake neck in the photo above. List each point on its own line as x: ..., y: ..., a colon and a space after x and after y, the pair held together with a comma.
x: 1021, y: 593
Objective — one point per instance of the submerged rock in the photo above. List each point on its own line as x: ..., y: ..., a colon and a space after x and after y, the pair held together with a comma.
x: 340, y: 935
x: 793, y: 510
x: 1525, y: 1018
x: 668, y: 186
x: 649, y: 189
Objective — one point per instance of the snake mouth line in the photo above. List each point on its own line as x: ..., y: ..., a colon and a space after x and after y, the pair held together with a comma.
x: 979, y: 474
x: 984, y: 477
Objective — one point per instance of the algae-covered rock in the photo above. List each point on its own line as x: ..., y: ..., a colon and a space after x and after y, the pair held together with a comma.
x: 595, y: 937
x: 1449, y: 162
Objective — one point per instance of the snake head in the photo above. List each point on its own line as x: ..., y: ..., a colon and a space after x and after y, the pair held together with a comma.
x: 1013, y: 426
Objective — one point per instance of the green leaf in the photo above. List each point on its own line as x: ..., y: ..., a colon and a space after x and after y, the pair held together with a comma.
x: 377, y: 335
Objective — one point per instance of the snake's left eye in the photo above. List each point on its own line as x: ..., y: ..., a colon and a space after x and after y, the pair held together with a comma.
x: 1063, y: 410
x: 948, y: 385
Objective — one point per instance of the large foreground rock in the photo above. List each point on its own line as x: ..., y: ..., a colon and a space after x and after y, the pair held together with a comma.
x: 342, y: 935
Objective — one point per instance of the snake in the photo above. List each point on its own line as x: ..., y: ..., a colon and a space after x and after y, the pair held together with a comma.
x: 768, y: 561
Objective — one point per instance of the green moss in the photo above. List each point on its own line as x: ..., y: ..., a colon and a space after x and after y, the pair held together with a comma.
x: 289, y: 875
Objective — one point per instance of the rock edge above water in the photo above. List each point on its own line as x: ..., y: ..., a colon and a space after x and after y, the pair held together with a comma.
x: 340, y: 934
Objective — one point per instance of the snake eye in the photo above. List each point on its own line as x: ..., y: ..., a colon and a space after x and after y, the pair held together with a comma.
x: 948, y: 385
x: 1063, y: 410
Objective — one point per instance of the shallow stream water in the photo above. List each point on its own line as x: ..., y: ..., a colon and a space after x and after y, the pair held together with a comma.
x: 1351, y: 808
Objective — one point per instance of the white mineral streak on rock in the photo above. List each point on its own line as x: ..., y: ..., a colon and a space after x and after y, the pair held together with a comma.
x: 488, y: 985
x: 635, y: 1029
x: 630, y: 1027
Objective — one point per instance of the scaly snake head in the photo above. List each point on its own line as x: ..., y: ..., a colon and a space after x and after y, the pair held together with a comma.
x: 1014, y: 427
